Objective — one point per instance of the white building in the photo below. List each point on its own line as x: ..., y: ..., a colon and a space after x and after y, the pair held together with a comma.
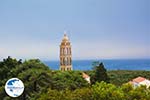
x: 140, y: 81
x: 86, y: 77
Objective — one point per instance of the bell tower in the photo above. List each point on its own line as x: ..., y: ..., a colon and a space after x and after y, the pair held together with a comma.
x: 65, y: 54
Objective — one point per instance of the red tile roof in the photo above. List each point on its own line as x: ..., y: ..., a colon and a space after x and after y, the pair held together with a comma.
x: 139, y: 79
x: 85, y: 75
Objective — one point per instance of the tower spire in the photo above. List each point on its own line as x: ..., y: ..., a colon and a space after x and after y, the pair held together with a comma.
x: 65, y: 33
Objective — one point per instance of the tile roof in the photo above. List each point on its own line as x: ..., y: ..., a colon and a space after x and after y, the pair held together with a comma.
x: 139, y: 79
x: 85, y: 75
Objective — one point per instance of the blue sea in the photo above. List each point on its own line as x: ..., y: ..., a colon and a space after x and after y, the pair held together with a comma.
x: 126, y: 64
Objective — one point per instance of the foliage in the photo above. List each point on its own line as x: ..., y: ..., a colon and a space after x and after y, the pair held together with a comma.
x: 41, y: 83
x: 99, y: 73
x: 6, y: 67
x: 37, y: 78
x: 118, y: 77
x: 35, y: 75
x: 99, y: 91
x: 68, y: 80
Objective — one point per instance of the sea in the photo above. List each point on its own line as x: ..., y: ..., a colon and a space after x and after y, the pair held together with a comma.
x: 115, y: 64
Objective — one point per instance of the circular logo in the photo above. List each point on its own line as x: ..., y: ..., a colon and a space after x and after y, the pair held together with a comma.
x: 14, y: 87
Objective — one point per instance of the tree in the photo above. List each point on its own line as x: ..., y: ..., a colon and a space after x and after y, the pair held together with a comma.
x: 6, y: 67
x: 100, y: 74
x: 105, y: 91
x: 68, y: 80
x: 35, y: 75
x: 82, y: 94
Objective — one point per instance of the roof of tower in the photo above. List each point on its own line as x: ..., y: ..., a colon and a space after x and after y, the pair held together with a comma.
x: 65, y: 38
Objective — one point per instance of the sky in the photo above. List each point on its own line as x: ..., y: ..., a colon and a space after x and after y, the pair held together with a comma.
x: 97, y: 29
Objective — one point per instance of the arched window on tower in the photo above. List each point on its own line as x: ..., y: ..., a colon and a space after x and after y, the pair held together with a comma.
x: 65, y: 52
x: 70, y: 61
x: 62, y: 51
x: 70, y: 50
x: 65, y: 61
x: 61, y: 61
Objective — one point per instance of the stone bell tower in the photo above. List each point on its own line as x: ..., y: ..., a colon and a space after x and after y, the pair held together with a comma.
x: 65, y: 54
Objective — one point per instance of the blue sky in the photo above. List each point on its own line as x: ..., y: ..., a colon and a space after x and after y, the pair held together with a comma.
x: 98, y: 29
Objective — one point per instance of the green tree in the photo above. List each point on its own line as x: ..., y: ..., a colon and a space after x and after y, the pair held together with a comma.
x: 68, y: 80
x: 6, y: 66
x: 104, y: 91
x: 138, y: 93
x: 82, y: 94
x: 100, y: 74
x: 35, y: 75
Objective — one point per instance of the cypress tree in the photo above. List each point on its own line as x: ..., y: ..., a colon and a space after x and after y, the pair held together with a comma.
x: 100, y: 73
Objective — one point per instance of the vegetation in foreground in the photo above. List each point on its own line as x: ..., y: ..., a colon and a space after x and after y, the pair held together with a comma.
x: 44, y: 84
